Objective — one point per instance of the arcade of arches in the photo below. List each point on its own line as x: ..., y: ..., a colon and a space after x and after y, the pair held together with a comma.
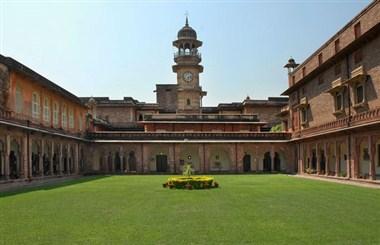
x: 333, y: 157
x: 49, y: 156
x: 204, y: 157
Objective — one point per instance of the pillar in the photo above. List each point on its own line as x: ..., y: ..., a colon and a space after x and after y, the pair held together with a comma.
x: 317, y: 155
x: 76, y: 159
x: 300, y: 157
x: 113, y: 162
x: 51, y: 158
x: 240, y: 155
x: 122, y: 160
x: 6, y: 157
x: 349, y: 157
x: 40, y: 158
x: 202, y: 159
x: 171, y: 156
x: 142, y: 159
x: 337, y: 157
x: 372, y: 153
x: 272, y: 155
x: 60, y: 159
x: 25, y: 167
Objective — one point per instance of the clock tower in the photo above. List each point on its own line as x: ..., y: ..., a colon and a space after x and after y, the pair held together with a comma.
x: 187, y: 67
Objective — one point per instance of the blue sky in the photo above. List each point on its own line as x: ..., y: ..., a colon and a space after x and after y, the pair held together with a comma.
x: 123, y: 48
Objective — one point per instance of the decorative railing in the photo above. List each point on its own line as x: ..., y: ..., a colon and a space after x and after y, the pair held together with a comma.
x: 202, y: 117
x: 188, y: 136
x: 187, y: 53
x: 355, y: 120
x: 366, y: 117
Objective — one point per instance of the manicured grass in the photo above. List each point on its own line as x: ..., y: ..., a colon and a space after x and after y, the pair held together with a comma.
x: 260, y: 209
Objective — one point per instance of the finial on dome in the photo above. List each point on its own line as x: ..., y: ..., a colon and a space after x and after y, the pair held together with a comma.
x: 187, y: 19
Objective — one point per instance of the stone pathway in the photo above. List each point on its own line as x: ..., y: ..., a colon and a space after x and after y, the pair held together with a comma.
x: 340, y: 181
x: 24, y: 184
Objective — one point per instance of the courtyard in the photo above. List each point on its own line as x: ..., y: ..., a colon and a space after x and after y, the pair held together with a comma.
x: 261, y: 209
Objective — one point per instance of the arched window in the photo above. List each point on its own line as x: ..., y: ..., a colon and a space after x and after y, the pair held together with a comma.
x: 188, y: 102
x: 19, y: 100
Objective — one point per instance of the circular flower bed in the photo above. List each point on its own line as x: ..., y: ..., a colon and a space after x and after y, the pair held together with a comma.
x: 191, y: 182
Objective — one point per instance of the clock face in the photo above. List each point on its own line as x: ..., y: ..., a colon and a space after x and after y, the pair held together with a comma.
x: 188, y: 76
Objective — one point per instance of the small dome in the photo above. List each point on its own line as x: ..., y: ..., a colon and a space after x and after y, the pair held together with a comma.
x: 187, y: 31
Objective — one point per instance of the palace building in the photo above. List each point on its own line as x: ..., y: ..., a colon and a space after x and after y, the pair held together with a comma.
x: 326, y: 124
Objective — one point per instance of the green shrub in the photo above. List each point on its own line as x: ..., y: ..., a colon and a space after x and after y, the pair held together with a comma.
x: 191, y: 182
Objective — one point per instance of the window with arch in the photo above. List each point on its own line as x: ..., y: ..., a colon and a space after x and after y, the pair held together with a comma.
x: 188, y: 102
x: 46, y: 109
x: 35, y: 105
x: 55, y: 114
x: 71, y: 118
x: 80, y: 122
x: 19, y: 100
x: 64, y: 116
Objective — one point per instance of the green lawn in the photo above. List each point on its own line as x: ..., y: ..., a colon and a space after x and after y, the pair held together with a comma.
x: 261, y: 209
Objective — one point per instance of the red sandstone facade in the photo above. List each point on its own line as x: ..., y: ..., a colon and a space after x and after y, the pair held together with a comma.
x: 329, y: 124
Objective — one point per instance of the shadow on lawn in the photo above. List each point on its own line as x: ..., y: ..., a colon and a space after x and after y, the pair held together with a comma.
x: 50, y: 185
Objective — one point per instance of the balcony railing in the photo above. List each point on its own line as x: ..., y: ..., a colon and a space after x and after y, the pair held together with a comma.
x: 187, y: 53
x: 345, y: 122
x: 158, y: 136
x: 202, y: 117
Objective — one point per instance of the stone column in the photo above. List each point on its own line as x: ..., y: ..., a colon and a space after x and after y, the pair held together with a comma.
x: 69, y: 159
x: 171, y: 156
x: 300, y: 157
x: 6, y: 157
x: 235, y: 157
x: 240, y: 155
x: 105, y: 163
x: 202, y: 162
x: 76, y: 159
x: 372, y: 154
x: 337, y: 157
x: 112, y: 162
x: 348, y: 158
x: 317, y: 155
x: 356, y: 158
x: 60, y: 159
x: 177, y: 152
x: 51, y: 158
x: 41, y: 158
x: 207, y: 157
x: 122, y: 160
x: 26, y: 166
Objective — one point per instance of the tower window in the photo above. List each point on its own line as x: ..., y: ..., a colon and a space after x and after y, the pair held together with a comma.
x: 188, y: 102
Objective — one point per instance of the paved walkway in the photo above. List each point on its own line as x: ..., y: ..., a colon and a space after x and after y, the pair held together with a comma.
x: 340, y: 181
x: 23, y: 184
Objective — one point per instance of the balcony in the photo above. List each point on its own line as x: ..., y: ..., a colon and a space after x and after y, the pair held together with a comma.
x: 187, y: 53
x: 189, y: 136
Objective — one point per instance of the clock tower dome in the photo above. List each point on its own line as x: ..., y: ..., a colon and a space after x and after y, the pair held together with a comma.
x: 187, y: 67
